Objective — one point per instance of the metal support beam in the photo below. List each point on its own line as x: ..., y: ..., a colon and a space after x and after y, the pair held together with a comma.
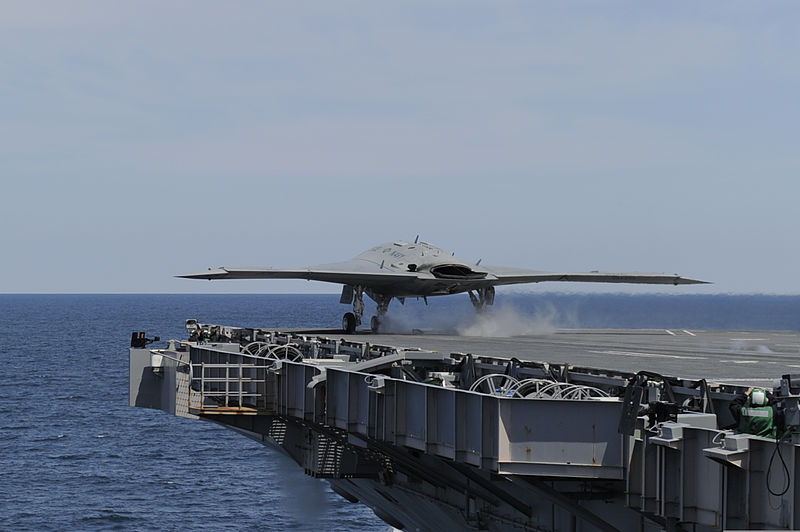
x: 564, y: 502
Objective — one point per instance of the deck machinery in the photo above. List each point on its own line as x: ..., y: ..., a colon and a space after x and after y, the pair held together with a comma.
x: 448, y: 441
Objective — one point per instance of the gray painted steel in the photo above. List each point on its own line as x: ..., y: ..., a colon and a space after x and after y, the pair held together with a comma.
x: 398, y: 428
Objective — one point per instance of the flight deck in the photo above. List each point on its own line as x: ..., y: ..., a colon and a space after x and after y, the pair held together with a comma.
x: 719, y: 356
x: 569, y: 430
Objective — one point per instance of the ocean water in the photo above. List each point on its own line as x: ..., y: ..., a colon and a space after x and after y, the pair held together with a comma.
x: 76, y: 457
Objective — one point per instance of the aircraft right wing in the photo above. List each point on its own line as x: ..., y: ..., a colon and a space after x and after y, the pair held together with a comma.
x: 505, y: 276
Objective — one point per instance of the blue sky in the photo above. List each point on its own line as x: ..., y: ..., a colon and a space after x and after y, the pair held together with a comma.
x: 142, y: 140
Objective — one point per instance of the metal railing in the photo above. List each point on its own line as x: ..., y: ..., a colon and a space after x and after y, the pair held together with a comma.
x: 227, y: 387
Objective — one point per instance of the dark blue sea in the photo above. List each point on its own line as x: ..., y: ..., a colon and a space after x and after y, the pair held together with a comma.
x: 74, y: 456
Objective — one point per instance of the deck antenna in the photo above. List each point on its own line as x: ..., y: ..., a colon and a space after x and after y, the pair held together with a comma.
x: 479, y: 261
x: 416, y: 240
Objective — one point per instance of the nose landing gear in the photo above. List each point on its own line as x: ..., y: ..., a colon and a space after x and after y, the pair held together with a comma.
x: 383, y: 307
x: 482, y: 299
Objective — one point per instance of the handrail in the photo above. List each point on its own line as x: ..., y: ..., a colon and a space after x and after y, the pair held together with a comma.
x: 238, y: 378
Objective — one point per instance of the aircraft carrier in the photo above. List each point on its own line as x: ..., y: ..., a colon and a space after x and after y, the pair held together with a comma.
x: 571, y: 430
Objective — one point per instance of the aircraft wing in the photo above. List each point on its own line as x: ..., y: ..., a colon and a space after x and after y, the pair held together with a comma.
x: 331, y: 275
x: 400, y: 283
x: 504, y: 276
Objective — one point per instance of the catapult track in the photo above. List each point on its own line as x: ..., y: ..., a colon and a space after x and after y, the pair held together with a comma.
x: 433, y: 434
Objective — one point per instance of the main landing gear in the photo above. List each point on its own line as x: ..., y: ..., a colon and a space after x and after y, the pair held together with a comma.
x: 481, y: 298
x: 355, y: 295
x: 349, y: 323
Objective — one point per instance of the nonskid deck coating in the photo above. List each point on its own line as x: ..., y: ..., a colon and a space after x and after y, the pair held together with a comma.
x: 735, y: 357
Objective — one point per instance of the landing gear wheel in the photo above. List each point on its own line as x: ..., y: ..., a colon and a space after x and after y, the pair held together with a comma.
x: 349, y: 323
x: 375, y: 323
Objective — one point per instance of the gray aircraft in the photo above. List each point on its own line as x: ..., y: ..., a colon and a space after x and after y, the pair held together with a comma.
x: 397, y: 270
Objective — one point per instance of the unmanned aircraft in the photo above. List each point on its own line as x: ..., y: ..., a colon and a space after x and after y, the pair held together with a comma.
x: 398, y: 270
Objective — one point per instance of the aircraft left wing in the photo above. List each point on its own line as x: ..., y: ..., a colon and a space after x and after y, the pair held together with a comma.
x: 504, y: 276
x: 312, y: 274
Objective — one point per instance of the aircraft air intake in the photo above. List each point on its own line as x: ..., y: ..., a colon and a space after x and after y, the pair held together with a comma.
x: 456, y: 271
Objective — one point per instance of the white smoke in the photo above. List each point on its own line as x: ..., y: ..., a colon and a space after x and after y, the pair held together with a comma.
x: 435, y: 321
x: 742, y: 345
x: 508, y: 321
x: 499, y: 321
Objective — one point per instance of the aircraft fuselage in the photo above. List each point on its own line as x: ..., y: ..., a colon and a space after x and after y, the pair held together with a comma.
x: 436, y: 271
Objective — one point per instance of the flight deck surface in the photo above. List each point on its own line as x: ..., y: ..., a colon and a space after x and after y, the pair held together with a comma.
x: 735, y: 357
